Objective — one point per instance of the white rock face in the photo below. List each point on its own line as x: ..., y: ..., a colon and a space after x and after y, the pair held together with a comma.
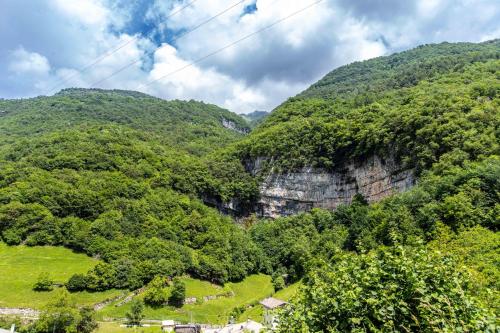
x: 232, y: 126
x: 291, y: 193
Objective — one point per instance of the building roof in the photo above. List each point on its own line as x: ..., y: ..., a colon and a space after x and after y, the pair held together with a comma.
x: 167, y: 323
x: 272, y: 303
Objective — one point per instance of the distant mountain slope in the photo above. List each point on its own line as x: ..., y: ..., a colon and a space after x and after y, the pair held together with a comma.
x: 367, y: 78
x: 256, y: 117
x: 196, y: 126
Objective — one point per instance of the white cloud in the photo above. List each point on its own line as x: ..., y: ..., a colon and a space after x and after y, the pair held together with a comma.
x: 62, y: 36
x: 88, y: 12
x: 24, y: 62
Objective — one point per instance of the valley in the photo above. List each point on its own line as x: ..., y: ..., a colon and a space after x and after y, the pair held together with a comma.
x: 369, y: 200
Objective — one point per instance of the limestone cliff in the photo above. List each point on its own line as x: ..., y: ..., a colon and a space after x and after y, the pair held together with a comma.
x: 291, y: 193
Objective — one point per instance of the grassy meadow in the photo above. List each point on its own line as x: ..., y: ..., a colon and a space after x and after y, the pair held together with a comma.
x: 115, y: 327
x: 249, y: 291
x: 256, y: 312
x: 20, y: 267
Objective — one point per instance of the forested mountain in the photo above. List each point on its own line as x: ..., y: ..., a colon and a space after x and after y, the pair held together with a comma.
x: 433, y: 112
x: 119, y: 175
x: 416, y: 105
x: 195, y: 127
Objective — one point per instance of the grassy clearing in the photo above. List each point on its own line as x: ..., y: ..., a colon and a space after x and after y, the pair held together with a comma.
x: 249, y: 291
x: 20, y: 267
x: 114, y: 327
x: 198, y: 288
x: 256, y: 312
x: 288, y: 292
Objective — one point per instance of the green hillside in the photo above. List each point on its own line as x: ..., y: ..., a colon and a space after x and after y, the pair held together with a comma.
x: 119, y: 175
x: 193, y: 126
x: 417, y: 105
x: 362, y: 81
x: 22, y: 265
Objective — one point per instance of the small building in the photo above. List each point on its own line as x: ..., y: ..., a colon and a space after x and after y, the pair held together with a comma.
x: 189, y: 328
x: 270, y: 305
x: 167, y: 325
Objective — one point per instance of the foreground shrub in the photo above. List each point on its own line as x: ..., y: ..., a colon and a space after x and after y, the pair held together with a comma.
x: 389, y: 290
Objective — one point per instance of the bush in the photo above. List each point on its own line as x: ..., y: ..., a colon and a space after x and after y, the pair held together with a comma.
x: 43, y: 283
x: 77, y: 282
x: 156, y: 295
x: 388, y: 290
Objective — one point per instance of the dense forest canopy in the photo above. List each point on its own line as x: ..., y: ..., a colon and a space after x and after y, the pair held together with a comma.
x: 119, y: 175
x: 446, y: 102
x: 193, y: 126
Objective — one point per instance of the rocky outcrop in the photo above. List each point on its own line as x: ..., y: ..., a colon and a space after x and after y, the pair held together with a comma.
x: 20, y: 312
x: 229, y: 124
x: 290, y: 193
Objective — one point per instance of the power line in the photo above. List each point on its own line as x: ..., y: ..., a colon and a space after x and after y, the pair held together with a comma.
x: 173, y: 40
x: 113, y: 51
x: 229, y: 45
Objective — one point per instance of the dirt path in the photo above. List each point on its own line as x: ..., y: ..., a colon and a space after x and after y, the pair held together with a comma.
x: 21, y: 312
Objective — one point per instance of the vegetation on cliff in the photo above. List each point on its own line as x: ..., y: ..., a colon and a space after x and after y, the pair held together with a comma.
x: 449, y: 105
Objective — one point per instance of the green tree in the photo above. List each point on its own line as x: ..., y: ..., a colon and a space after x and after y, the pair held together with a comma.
x: 388, y: 290
x: 178, y: 293
x: 87, y: 322
x: 156, y: 294
x: 60, y: 316
x: 278, y: 282
x: 135, y: 315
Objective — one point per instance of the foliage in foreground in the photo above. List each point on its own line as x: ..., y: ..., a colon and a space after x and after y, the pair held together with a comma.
x: 62, y: 315
x: 389, y: 290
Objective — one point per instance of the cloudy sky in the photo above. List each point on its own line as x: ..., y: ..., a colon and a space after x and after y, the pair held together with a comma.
x: 45, y: 44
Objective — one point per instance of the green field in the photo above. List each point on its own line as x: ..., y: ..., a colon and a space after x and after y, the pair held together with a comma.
x: 256, y: 311
x: 20, y: 267
x: 114, y: 327
x: 250, y: 291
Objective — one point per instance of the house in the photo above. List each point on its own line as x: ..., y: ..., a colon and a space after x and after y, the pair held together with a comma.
x: 248, y: 326
x: 189, y: 328
x: 167, y: 325
x: 270, y: 305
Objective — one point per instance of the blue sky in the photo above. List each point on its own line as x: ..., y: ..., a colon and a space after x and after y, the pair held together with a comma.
x: 45, y: 42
